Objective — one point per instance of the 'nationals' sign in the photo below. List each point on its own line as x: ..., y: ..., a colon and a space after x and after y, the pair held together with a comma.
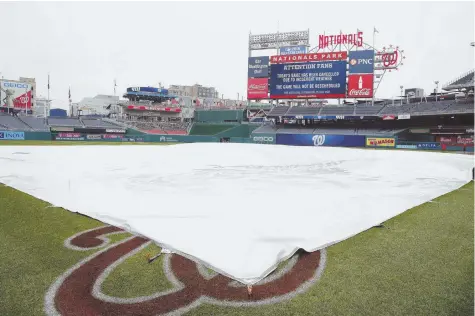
x: 341, y: 39
x: 295, y: 58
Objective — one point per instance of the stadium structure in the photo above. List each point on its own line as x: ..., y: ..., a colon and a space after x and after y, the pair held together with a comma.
x: 109, y: 276
x: 287, y: 104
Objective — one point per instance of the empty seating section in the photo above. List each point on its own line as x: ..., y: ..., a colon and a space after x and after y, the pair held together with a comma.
x: 36, y: 124
x: 70, y: 122
x: 13, y: 123
x: 368, y: 110
x: 461, y: 107
x: 295, y: 130
x: 298, y: 110
x: 279, y: 111
x: 338, y: 110
x: 398, y: 109
x: 97, y: 123
x: 464, y: 81
x: 160, y: 127
x: 430, y: 107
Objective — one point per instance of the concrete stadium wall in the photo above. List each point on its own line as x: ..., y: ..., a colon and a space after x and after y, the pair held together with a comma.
x: 202, y: 129
x: 38, y: 136
x: 219, y: 115
x: 241, y: 130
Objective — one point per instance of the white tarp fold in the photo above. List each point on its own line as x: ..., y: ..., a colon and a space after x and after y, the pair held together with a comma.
x: 238, y: 208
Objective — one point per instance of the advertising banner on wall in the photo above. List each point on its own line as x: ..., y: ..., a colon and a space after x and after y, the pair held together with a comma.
x: 20, y: 94
x: 257, y: 88
x: 263, y: 138
x: 404, y: 116
x: 308, y: 80
x: 305, y: 58
x: 112, y: 136
x: 434, y: 146
x: 321, y: 140
x: 361, y: 62
x: 8, y: 135
x: 69, y: 136
x: 94, y: 137
x: 291, y: 50
x: 459, y: 140
x: 380, y: 142
x: 258, y: 67
x: 360, y: 86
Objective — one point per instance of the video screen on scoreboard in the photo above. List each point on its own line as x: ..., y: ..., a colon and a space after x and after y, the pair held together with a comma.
x: 308, y: 80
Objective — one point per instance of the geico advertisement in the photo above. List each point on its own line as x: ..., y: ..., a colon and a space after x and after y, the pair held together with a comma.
x: 263, y: 139
x: 380, y: 142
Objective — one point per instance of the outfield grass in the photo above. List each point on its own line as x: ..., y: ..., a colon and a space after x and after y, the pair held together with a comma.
x: 420, y: 263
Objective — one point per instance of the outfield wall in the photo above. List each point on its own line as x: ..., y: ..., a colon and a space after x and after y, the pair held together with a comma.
x: 321, y: 140
x: 239, y: 134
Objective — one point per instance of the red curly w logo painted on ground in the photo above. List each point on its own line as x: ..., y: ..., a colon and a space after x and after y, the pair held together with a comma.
x: 78, y: 290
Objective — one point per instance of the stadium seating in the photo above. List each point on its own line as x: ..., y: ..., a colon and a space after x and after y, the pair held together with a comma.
x: 338, y: 110
x: 300, y: 110
x: 368, y: 109
x: 464, y: 81
x: 13, y: 123
x: 96, y: 123
x: 36, y: 124
x: 63, y: 121
x: 279, y: 111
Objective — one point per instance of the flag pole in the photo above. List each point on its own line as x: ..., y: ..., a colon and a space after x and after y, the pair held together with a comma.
x: 374, y: 59
x: 70, y: 107
x: 47, y: 102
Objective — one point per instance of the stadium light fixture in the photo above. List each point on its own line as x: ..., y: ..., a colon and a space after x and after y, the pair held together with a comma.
x: 436, y: 89
x: 402, y: 87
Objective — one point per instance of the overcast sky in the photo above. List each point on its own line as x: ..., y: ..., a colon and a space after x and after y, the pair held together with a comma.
x: 87, y: 45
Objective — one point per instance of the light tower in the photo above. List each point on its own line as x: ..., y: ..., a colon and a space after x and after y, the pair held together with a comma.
x: 436, y: 89
x: 402, y: 93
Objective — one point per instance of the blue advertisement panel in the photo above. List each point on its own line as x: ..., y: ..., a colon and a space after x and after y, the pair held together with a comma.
x: 308, y: 80
x: 8, y: 135
x: 292, y: 50
x: 321, y: 140
x: 258, y: 67
x: 361, y: 62
x: 433, y: 146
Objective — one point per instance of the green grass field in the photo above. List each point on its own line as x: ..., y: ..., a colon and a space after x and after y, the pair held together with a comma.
x: 420, y: 263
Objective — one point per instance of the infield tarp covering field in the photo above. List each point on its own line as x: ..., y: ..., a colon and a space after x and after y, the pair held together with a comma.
x: 294, y: 197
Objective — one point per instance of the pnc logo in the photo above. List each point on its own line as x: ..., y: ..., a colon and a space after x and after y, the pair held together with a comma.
x: 318, y: 140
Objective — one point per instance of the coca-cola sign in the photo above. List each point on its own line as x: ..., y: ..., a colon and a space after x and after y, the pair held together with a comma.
x: 257, y: 88
x: 360, y: 93
x: 360, y: 85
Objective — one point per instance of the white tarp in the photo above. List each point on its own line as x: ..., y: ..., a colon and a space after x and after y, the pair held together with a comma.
x: 238, y: 208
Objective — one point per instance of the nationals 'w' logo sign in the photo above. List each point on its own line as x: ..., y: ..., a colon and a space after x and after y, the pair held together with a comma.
x: 78, y: 291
